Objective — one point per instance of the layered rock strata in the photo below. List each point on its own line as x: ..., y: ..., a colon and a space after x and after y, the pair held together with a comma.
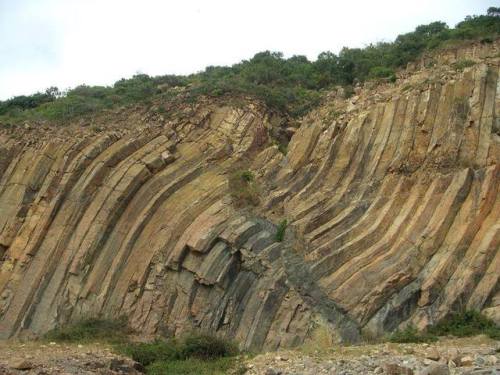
x: 392, y: 199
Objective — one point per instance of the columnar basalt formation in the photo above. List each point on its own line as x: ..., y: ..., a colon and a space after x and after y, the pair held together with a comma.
x: 392, y: 199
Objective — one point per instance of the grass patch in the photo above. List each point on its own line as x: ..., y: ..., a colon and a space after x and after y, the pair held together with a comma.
x: 194, y: 354
x: 244, y: 189
x: 469, y: 323
x: 196, y: 366
x: 88, y: 330
x: 411, y: 335
x: 280, y: 232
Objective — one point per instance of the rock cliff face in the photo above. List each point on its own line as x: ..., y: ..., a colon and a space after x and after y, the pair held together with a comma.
x: 392, y: 198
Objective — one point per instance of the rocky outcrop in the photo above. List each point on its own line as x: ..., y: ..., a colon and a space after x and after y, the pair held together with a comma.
x: 391, y: 197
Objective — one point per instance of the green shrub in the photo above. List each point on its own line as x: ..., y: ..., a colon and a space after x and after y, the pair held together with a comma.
x: 147, y: 353
x: 194, y: 354
x: 465, y: 324
x: 283, y: 148
x: 92, y: 329
x: 411, y: 335
x: 206, y: 347
x: 462, y: 64
x: 280, y: 231
x: 379, y: 72
x: 247, y: 176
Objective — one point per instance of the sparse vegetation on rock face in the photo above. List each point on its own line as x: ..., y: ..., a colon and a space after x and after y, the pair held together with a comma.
x: 280, y: 231
x: 290, y: 85
x: 462, y: 64
x: 244, y: 189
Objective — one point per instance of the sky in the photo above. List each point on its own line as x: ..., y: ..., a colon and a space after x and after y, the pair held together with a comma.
x: 66, y: 43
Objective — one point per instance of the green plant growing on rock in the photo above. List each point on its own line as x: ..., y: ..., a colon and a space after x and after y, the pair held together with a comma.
x: 462, y: 64
x: 244, y: 189
x: 247, y: 176
x: 283, y: 148
x: 280, y: 231
x: 382, y: 73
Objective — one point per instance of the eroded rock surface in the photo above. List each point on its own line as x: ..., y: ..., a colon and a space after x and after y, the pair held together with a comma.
x: 391, y: 197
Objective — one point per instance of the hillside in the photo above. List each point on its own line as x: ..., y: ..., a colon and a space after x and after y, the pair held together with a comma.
x: 292, y: 86
x: 177, y: 222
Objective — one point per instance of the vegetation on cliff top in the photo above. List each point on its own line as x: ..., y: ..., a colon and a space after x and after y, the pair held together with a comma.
x: 290, y: 85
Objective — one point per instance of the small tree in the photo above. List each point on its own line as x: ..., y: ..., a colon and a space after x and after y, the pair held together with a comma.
x: 494, y: 12
x: 53, y: 92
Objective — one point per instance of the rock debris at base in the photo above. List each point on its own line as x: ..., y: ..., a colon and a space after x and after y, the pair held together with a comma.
x: 468, y: 356
x: 391, y: 359
x: 52, y: 358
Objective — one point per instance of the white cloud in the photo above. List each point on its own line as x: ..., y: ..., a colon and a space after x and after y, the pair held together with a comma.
x: 69, y: 42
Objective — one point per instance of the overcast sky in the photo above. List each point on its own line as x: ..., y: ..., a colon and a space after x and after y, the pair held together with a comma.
x: 65, y: 43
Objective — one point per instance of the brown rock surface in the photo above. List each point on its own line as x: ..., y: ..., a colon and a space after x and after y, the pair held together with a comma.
x: 393, y: 209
